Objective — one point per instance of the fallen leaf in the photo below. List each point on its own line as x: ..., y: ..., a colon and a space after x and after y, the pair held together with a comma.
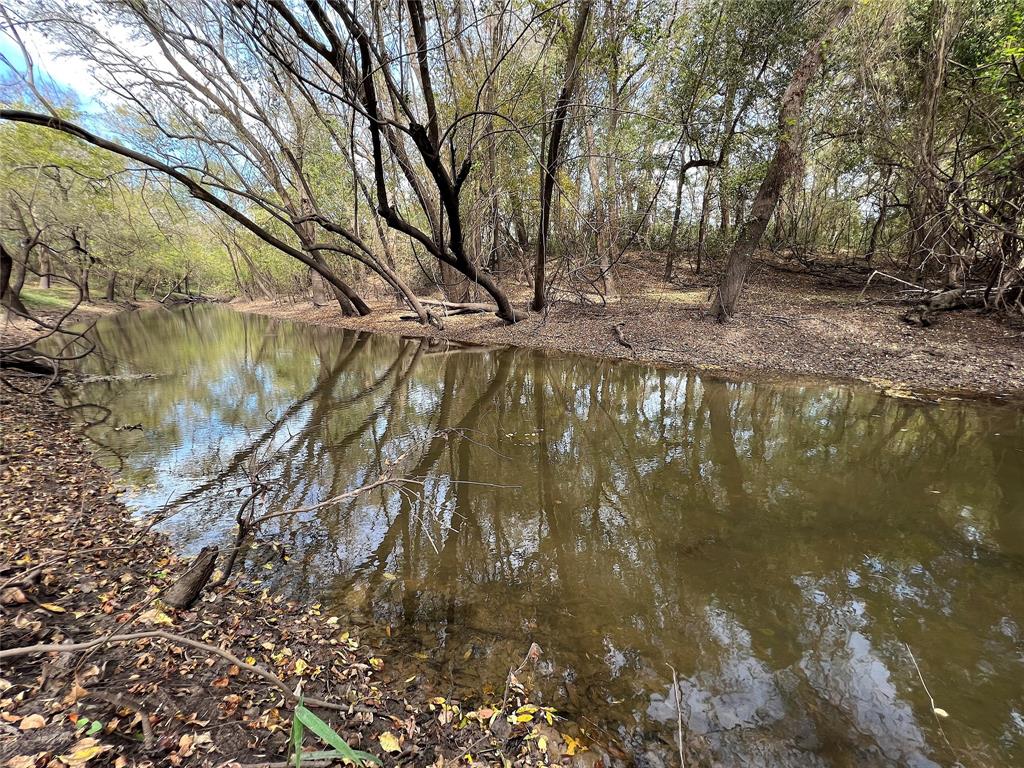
x: 52, y: 607
x: 185, y: 744
x: 156, y: 616
x: 77, y: 692
x: 389, y: 742
x: 12, y: 596
x: 82, y: 752
x: 32, y: 722
x: 572, y: 746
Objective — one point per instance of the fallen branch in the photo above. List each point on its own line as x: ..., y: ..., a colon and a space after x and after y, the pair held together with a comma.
x: 452, y: 308
x: 171, y: 637
x: 622, y: 339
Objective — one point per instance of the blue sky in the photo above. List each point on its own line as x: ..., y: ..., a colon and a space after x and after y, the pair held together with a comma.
x: 69, y: 74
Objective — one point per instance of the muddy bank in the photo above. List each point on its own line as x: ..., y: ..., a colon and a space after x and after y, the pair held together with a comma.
x: 788, y: 325
x: 209, y: 685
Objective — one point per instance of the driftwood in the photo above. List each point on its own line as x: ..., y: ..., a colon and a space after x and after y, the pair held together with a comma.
x: 451, y: 309
x: 186, y: 590
x: 619, y: 337
x: 460, y: 308
x: 942, y: 301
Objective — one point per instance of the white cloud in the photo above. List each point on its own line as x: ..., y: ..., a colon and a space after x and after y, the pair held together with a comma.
x: 66, y: 71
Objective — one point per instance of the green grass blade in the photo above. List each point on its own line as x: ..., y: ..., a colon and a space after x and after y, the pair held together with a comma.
x: 326, y: 734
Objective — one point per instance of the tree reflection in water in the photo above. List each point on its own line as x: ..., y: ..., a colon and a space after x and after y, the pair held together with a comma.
x: 777, y: 543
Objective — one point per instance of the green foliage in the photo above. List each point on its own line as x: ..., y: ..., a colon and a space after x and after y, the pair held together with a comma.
x: 305, y: 718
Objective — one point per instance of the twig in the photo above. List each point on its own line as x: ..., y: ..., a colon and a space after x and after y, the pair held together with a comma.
x: 118, y: 700
x: 256, y: 670
x: 931, y: 700
x: 679, y: 715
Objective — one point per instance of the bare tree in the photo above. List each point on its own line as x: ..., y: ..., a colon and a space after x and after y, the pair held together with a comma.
x: 551, y: 165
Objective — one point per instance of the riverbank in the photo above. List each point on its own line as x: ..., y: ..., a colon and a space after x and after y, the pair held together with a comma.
x: 211, y: 685
x: 789, y: 325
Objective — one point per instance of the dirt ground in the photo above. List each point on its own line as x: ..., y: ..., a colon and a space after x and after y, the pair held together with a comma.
x: 787, y: 324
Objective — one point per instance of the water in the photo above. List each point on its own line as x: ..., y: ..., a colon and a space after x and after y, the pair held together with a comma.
x: 784, y: 547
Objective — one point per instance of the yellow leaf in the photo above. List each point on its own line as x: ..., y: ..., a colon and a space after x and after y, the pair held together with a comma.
x: 389, y: 742
x: 524, y: 718
x: 377, y: 664
x: 52, y: 607
x: 84, y: 751
x: 390, y: 577
x: 300, y: 666
x: 156, y: 616
x: 572, y: 746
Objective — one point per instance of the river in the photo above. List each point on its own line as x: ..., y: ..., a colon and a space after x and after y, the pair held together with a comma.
x: 806, y: 556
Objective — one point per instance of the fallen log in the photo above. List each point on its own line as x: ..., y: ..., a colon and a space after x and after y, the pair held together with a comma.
x: 35, y: 366
x: 186, y: 590
x: 460, y: 308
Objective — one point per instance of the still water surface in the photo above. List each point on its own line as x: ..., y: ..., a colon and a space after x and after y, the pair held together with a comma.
x: 780, y: 545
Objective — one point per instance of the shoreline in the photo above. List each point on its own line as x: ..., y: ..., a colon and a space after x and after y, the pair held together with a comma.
x: 208, y: 685
x: 782, y: 334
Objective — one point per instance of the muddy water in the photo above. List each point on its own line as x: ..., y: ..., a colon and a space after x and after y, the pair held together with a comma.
x: 785, y: 547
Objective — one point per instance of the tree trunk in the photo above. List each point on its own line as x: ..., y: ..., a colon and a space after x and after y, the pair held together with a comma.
x: 18, y: 277
x: 928, y: 212
x: 779, y: 170
x: 111, y: 286
x: 83, y: 278
x: 671, y: 257
x: 9, y: 298
x: 550, y: 169
x: 45, y: 268
x: 702, y: 230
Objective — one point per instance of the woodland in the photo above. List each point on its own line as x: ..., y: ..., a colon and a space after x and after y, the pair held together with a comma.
x: 463, y: 552
x: 502, y: 156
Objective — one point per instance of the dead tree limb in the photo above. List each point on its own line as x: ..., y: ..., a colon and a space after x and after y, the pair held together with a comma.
x: 255, y: 669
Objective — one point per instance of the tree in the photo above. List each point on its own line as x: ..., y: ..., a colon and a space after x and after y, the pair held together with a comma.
x: 551, y: 165
x: 780, y: 168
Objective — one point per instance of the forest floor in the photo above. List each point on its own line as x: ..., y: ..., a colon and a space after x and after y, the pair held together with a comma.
x: 211, y: 685
x: 788, y: 324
